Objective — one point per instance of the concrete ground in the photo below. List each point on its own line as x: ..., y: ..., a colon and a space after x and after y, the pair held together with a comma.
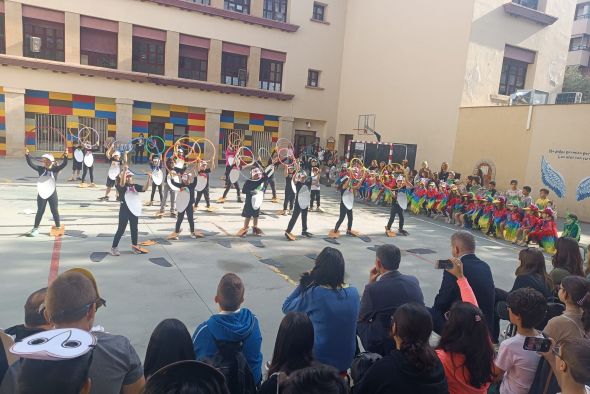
x: 140, y: 293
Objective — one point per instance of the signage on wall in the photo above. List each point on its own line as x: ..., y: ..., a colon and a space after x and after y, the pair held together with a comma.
x: 570, y: 154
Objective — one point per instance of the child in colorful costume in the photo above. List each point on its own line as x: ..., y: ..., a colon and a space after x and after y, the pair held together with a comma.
x: 545, y: 233
x: 571, y: 227
x: 528, y: 223
x: 512, y: 224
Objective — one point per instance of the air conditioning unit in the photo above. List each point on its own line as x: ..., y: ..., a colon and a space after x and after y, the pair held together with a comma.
x: 529, y: 97
x: 35, y: 44
x: 569, y: 98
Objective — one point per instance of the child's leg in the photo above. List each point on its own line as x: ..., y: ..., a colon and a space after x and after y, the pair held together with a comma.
x: 255, y: 222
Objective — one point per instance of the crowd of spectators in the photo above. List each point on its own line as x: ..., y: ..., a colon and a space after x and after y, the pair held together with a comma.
x: 331, y: 339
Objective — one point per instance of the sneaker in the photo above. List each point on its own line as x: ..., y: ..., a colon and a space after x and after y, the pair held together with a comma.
x: 290, y: 236
x: 72, y: 179
x: 92, y: 185
x: 289, y: 212
x: 306, y: 234
x: 115, y: 252
x: 172, y: 214
x: 403, y: 232
x: 240, y: 199
x: 320, y: 209
x: 221, y: 200
x: 33, y: 233
x: 274, y: 200
x: 148, y: 204
x: 283, y: 213
x: 257, y: 231
x: 173, y: 236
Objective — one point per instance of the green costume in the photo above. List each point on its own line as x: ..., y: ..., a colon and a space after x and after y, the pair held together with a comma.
x: 571, y: 227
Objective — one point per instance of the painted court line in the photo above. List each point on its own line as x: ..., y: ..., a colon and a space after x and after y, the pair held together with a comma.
x: 54, y: 267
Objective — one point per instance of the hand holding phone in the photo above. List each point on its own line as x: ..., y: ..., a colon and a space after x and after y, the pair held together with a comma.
x: 443, y: 264
x: 535, y: 344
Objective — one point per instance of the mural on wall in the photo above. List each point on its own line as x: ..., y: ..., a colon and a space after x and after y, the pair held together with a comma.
x: 486, y: 170
x: 2, y: 124
x: 583, y: 191
x: 552, y: 178
x: 258, y: 130
x: 556, y: 182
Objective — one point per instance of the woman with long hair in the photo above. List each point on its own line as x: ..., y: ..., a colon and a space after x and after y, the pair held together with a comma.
x: 332, y: 306
x: 413, y: 366
x: 574, y: 292
x: 293, y: 350
x: 567, y: 260
x: 170, y: 342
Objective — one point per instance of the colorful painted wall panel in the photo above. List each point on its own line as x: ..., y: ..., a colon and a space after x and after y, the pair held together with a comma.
x: 250, y: 124
x: 2, y: 124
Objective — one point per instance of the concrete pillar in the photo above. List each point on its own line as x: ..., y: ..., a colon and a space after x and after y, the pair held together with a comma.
x: 72, y: 38
x: 125, y: 47
x: 14, y: 107
x: 256, y: 8
x: 287, y: 128
x: 13, y: 28
x: 124, y: 119
x: 172, y: 52
x: 212, y: 127
x: 254, y: 67
x: 218, y: 3
x: 214, y: 61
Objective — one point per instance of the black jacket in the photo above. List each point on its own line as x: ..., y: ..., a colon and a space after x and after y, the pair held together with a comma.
x: 380, y: 300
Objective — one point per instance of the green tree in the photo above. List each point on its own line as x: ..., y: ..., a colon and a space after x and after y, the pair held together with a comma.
x: 576, y: 81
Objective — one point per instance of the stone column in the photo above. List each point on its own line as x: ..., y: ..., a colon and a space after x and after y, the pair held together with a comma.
x: 72, y: 35
x: 286, y: 128
x: 14, y: 107
x: 13, y: 28
x: 256, y: 8
x: 172, y: 54
x: 125, y: 47
x: 124, y: 119
x: 254, y: 67
x: 214, y: 61
x: 212, y: 127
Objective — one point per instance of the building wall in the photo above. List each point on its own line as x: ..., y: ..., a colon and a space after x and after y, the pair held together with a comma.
x: 250, y: 123
x: 2, y: 124
x: 493, y: 28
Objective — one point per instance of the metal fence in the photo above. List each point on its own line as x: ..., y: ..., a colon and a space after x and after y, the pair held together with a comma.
x: 226, y: 134
x: 262, y: 139
x: 101, y: 125
x: 50, y: 132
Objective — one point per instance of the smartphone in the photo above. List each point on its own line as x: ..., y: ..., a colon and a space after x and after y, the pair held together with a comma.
x: 535, y: 344
x: 443, y: 264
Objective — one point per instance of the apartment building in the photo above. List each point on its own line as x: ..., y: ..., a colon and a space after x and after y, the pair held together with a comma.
x: 579, y: 54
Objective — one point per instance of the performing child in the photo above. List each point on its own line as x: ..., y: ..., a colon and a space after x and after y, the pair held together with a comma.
x: 545, y: 233
x: 77, y: 162
x: 543, y: 200
x: 254, y: 194
x: 346, y: 205
x: 231, y: 163
x: 289, y: 191
x: 401, y: 188
x: 168, y: 189
x: 88, y: 166
x: 315, y: 186
x: 129, y: 209
x: 571, y: 227
x: 204, y: 173
x: 155, y: 167
x: 510, y: 227
x: 114, y: 157
x: 529, y: 222
x: 47, y: 192
x: 302, y: 201
x: 270, y: 172
x: 187, y: 184
x: 498, y: 217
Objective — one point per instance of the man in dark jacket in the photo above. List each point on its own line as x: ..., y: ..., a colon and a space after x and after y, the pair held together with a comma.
x: 386, y: 291
x: 478, y: 274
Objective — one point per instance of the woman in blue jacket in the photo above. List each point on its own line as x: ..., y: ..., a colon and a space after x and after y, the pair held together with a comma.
x: 332, y: 307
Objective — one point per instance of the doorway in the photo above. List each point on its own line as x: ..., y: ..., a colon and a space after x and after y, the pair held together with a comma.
x: 306, y: 141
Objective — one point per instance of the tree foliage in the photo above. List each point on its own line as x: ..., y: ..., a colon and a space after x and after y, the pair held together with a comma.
x: 576, y: 81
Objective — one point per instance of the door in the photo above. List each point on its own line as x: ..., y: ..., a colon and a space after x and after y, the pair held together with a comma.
x: 305, y: 141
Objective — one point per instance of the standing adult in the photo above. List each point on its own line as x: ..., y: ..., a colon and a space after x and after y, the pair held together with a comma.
x: 443, y: 174
x: 139, y: 149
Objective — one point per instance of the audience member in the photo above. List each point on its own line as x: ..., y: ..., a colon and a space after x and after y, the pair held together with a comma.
x: 478, y: 274
x: 526, y: 308
x: 293, y: 350
x: 186, y: 377
x: 413, y: 366
x: 232, y: 325
x: 170, y: 342
x: 320, y: 379
x: 6, y: 358
x: 332, y: 306
x: 587, y: 272
x: 567, y: 260
x: 34, y: 317
x: 465, y: 348
x: 387, y: 290
x: 574, y: 292
x: 572, y: 358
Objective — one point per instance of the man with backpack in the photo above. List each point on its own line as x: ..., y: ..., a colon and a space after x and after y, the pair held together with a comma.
x: 231, y: 340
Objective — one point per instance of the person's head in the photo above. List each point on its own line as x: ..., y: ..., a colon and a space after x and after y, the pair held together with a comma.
x: 513, y: 184
x: 462, y: 242
x: 532, y: 261
x: 294, y: 344
x: 34, y: 313
x: 492, y: 185
x: 140, y: 135
x: 526, y: 190
x: 466, y: 333
x: 476, y: 180
x: 572, y: 359
x: 373, y: 163
x: 48, y: 160
x: 526, y: 307
x: 444, y: 166
x: 411, y: 327
x: 544, y: 193
x: 186, y: 377
x: 568, y: 256
x: 256, y: 174
x: 128, y: 177
x: 387, y: 257
x: 327, y: 271
x: 575, y: 290
x: 230, y: 293
x: 319, y: 379
x: 424, y: 165
x: 63, y: 376
x: 170, y: 342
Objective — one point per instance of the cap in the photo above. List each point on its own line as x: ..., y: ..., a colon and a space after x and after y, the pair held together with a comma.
x: 49, y: 157
x: 400, y: 178
x: 100, y: 301
x: 116, y: 153
x: 128, y: 173
x: 58, y: 344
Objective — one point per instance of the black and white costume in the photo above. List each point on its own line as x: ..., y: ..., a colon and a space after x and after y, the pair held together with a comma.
x: 205, y: 192
x: 189, y: 210
x: 125, y: 214
x: 88, y: 164
x: 289, y: 192
x: 250, y: 189
x: 302, y: 201
x: 345, y: 193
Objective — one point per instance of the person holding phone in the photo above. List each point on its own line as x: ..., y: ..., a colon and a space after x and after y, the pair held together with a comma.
x: 572, y: 358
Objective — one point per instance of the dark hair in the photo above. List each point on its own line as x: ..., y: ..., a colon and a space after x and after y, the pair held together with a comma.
x: 532, y: 262
x: 390, y: 256
x: 568, y: 256
x: 68, y: 297
x: 492, y: 183
x: 230, y: 292
x: 186, y: 377
x: 576, y: 354
x: 467, y: 333
x: 294, y: 344
x: 578, y: 290
x: 527, y: 188
x: 464, y: 240
x: 327, y: 271
x: 170, y: 342
x: 529, y: 304
x: 319, y: 379
x: 413, y: 324
x: 54, y: 377
x: 514, y: 181
x: 544, y: 190
x: 34, y: 317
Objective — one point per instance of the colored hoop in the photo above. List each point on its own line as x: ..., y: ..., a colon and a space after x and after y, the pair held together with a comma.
x: 152, y: 143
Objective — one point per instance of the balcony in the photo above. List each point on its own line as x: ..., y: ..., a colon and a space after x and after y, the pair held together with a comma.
x: 529, y: 13
x: 581, y: 26
x: 580, y: 57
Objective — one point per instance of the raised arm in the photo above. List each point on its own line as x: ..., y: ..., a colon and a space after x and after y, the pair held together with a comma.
x: 467, y: 294
x: 30, y: 162
x: 63, y: 163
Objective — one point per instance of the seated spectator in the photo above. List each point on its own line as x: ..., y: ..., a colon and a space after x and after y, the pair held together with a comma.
x: 233, y: 324
x: 574, y: 323
x: 293, y: 350
x: 332, y: 306
x: 572, y: 358
x: 478, y: 274
x: 186, y: 377
x: 566, y: 261
x: 526, y: 308
x: 170, y: 342
x: 71, y: 302
x: 465, y: 348
x: 320, y: 379
x: 34, y: 317
x: 387, y: 290
x: 413, y: 366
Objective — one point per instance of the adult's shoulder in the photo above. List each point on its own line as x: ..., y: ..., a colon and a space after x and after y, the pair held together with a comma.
x: 112, y: 343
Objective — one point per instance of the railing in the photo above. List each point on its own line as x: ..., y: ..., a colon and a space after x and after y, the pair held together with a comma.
x: 49, y: 132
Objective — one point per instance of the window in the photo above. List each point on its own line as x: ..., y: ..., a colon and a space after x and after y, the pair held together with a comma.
x: 319, y: 12
x: 148, y: 56
x: 534, y: 4
x: 513, y: 76
x: 50, y: 131
x: 580, y: 43
x: 234, y: 69
x: 242, y: 6
x: 275, y: 10
x: 98, y: 48
x: 192, y: 63
x: 271, y: 75
x: 313, y: 78
x: 583, y: 11
x: 2, y: 35
x: 43, y: 40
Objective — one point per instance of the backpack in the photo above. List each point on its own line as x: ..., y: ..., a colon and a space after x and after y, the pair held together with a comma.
x: 230, y: 361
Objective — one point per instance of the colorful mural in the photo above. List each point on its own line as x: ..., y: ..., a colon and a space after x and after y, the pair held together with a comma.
x: 2, y: 124
x: 250, y: 124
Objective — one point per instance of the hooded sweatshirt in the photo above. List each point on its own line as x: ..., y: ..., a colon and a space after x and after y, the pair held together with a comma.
x: 238, y: 326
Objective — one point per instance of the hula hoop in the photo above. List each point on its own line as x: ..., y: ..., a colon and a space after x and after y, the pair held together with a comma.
x: 283, y: 158
x: 264, y: 155
x: 352, y: 170
x: 284, y: 143
x: 234, y: 140
x: 204, y: 158
x: 152, y: 142
x: 87, y: 141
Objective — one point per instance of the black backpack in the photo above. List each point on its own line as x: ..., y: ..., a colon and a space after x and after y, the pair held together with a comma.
x: 230, y: 361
